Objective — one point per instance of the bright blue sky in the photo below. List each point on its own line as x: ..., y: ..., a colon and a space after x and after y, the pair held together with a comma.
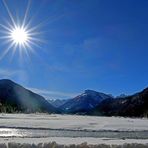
x: 89, y: 44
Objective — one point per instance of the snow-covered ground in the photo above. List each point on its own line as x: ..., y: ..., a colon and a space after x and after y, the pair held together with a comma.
x: 68, y: 141
x: 73, y: 122
x: 43, y: 124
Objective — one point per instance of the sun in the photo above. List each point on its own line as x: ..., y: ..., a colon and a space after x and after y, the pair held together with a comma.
x: 19, y: 35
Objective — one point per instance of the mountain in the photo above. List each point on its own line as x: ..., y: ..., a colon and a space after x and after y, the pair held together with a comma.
x: 84, y: 102
x: 133, y: 106
x: 121, y: 96
x: 15, y: 98
x: 56, y: 102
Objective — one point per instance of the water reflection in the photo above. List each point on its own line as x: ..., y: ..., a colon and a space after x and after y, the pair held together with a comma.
x: 36, y: 133
x: 8, y: 132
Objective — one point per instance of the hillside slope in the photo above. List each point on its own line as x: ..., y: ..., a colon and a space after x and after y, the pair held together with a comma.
x: 134, y: 106
x: 15, y: 98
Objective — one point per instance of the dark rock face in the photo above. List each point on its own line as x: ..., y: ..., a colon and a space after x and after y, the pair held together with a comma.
x: 15, y: 98
x: 84, y: 102
x: 133, y: 106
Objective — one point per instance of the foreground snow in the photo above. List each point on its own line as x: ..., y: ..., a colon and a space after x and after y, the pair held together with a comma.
x: 73, y: 122
x: 69, y: 122
x: 68, y: 141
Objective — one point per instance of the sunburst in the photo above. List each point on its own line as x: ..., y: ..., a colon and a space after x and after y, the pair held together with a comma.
x: 19, y: 36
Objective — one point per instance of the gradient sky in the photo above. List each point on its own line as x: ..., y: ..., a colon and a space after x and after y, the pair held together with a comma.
x: 88, y: 44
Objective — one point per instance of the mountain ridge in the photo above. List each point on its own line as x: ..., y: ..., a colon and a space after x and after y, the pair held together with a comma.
x: 16, y: 98
x: 83, y: 102
x: 20, y: 99
x: 135, y: 105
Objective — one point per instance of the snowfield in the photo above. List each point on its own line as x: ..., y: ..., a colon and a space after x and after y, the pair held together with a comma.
x: 35, y: 129
x: 73, y: 122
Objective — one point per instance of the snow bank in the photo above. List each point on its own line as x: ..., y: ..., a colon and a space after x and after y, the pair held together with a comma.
x: 67, y: 142
x: 83, y: 145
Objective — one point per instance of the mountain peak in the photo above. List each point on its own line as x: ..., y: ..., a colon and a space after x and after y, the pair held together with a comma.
x: 87, y: 91
x: 6, y: 81
x: 84, y: 102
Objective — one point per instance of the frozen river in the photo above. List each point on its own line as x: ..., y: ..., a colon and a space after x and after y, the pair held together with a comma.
x: 37, y: 133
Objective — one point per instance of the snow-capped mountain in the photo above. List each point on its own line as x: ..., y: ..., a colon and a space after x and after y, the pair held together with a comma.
x: 56, y: 102
x: 84, y: 102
